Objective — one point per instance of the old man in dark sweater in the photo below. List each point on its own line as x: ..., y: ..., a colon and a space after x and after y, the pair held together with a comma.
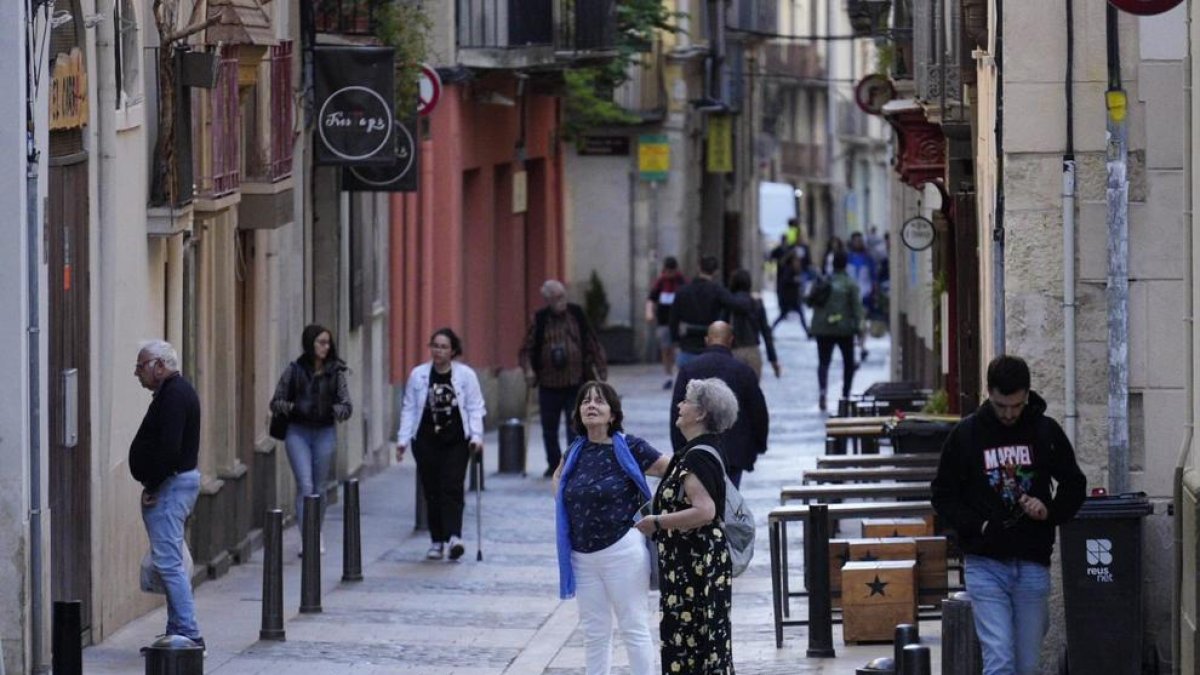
x: 162, y: 458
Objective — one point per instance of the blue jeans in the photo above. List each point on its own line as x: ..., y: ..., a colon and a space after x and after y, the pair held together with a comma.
x: 310, y: 452
x: 555, y: 403
x: 1009, y: 600
x: 164, y: 525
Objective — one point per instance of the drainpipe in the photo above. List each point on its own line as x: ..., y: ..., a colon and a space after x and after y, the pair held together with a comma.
x: 1117, y: 197
x: 1189, y: 329
x: 998, y: 225
x: 34, y: 338
x: 1068, y: 216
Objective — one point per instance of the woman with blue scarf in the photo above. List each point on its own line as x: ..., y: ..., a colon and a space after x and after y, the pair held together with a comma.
x: 602, y: 561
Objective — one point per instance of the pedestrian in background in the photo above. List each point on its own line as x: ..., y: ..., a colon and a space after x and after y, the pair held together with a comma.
x: 602, y: 561
x: 561, y: 351
x: 750, y: 327
x: 993, y: 486
x: 313, y: 394
x: 442, y: 419
x: 743, y: 442
x: 163, y: 457
x: 834, y: 246
x: 860, y: 265
x: 837, y: 320
x: 695, y: 569
x: 700, y: 302
x: 658, y: 312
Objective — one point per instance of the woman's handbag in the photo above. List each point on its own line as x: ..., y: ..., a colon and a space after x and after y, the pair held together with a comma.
x: 279, y: 426
x: 647, y: 510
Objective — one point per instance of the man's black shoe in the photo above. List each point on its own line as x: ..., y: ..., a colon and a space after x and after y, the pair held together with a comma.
x: 549, y: 473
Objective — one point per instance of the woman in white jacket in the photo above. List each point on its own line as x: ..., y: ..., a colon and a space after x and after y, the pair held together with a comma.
x: 442, y: 419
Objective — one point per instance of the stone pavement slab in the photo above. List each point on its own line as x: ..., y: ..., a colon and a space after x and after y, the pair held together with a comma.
x: 503, y: 615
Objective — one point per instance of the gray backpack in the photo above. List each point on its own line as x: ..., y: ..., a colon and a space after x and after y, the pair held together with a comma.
x: 737, y: 520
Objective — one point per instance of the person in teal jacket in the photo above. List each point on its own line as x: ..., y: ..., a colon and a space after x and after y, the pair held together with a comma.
x: 837, y: 319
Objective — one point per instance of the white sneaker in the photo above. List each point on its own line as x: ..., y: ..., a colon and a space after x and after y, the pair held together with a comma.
x: 434, y: 552
x: 322, y: 544
x: 456, y: 548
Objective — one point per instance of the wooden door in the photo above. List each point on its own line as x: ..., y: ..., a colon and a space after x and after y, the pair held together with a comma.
x: 70, y: 458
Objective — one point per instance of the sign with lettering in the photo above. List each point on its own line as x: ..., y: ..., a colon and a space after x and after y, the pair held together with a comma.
x: 720, y: 144
x: 654, y: 157
x: 400, y: 176
x: 604, y: 145
x: 355, y: 105
x: 68, y: 91
x: 917, y: 233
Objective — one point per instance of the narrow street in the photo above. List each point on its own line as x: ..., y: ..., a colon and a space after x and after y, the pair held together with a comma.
x: 501, y: 615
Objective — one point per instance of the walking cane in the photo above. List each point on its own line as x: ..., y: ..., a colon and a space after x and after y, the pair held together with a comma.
x: 479, y: 506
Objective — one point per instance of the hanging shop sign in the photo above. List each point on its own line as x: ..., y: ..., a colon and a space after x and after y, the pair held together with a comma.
x: 355, y: 105
x: 399, y: 176
x: 68, y: 91
x: 604, y: 145
x: 873, y: 92
x: 429, y: 89
x: 719, y: 157
x: 1145, y: 7
x: 918, y: 233
x: 654, y: 157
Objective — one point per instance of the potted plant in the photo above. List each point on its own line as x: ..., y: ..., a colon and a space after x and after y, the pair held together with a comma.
x: 617, y: 340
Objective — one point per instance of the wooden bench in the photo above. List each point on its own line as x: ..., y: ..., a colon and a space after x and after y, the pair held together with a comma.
x: 831, y: 491
x: 777, y: 521
x: 872, y: 474
x: 876, y: 461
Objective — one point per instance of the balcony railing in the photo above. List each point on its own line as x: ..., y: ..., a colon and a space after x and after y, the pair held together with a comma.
x: 755, y: 16
x: 505, y: 24
x: 523, y: 33
x: 642, y: 94
x: 345, y: 17
x: 216, y: 125
x: 802, y: 160
x: 269, y: 150
x: 794, y: 62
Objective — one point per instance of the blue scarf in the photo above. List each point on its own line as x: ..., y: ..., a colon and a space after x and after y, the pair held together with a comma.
x: 566, y: 575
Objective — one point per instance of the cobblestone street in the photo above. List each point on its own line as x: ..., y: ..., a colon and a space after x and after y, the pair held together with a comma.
x: 501, y: 615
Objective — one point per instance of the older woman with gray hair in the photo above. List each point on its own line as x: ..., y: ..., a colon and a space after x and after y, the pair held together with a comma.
x: 695, y: 570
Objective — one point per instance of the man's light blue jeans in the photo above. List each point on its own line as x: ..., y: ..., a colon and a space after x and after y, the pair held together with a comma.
x: 164, y: 524
x: 1010, y: 601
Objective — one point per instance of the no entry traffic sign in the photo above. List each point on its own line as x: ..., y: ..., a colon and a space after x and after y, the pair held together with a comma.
x: 430, y: 90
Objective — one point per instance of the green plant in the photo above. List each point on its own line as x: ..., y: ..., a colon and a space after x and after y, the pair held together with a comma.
x: 595, y: 301
x: 885, y: 58
x: 404, y: 26
x: 938, y: 403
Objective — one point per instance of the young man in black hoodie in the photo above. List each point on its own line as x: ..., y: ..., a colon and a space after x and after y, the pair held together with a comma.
x: 993, y: 487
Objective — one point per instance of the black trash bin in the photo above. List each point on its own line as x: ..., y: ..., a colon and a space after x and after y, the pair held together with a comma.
x: 1102, y: 584
x: 174, y: 655
x: 913, y: 436
x: 512, y: 446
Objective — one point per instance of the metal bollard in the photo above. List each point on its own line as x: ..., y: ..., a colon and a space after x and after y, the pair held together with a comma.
x: 272, y: 601
x: 476, y: 476
x: 351, y: 533
x: 310, y: 566
x: 66, y: 645
x: 421, y: 518
x: 960, y: 644
x: 174, y: 655
x: 906, y: 634
x: 512, y: 446
x: 916, y: 660
x: 820, y: 612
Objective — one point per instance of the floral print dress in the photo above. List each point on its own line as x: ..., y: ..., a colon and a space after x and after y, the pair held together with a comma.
x: 695, y: 584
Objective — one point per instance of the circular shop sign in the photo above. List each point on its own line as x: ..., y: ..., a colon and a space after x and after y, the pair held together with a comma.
x: 1145, y: 7
x: 917, y: 233
x: 355, y: 123
x: 429, y: 89
x: 383, y: 176
x: 872, y: 92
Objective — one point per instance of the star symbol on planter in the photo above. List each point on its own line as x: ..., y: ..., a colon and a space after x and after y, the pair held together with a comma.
x: 868, y: 557
x: 896, y: 533
x: 877, y: 587
x: 844, y: 556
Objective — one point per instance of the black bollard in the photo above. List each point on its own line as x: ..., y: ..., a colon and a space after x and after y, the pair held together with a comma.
x: 174, y: 655
x: 960, y: 644
x: 421, y: 521
x: 351, y: 533
x: 906, y: 634
x: 476, y: 475
x: 820, y: 611
x: 310, y: 566
x: 916, y: 660
x: 512, y: 446
x: 66, y: 643
x: 272, y: 601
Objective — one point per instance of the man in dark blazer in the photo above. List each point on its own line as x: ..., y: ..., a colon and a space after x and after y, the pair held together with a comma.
x: 747, y: 438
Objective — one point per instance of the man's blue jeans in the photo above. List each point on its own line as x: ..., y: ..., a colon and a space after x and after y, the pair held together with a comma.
x: 310, y: 452
x: 556, y: 404
x: 164, y: 524
x: 1010, y: 601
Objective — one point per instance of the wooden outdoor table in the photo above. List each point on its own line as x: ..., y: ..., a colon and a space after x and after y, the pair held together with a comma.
x: 876, y: 461
x: 870, y: 474
x: 777, y: 521
x: 827, y: 492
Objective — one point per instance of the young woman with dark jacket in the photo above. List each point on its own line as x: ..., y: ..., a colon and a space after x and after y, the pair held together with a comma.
x: 312, y: 393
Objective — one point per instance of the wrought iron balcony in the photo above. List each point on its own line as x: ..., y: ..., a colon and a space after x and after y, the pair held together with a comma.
x: 755, y: 16
x: 508, y: 34
x: 216, y: 129
x: 803, y: 160
x: 270, y: 159
x: 793, y: 64
x: 346, y: 17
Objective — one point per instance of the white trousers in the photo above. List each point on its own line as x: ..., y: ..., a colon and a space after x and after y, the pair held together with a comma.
x: 615, y: 580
